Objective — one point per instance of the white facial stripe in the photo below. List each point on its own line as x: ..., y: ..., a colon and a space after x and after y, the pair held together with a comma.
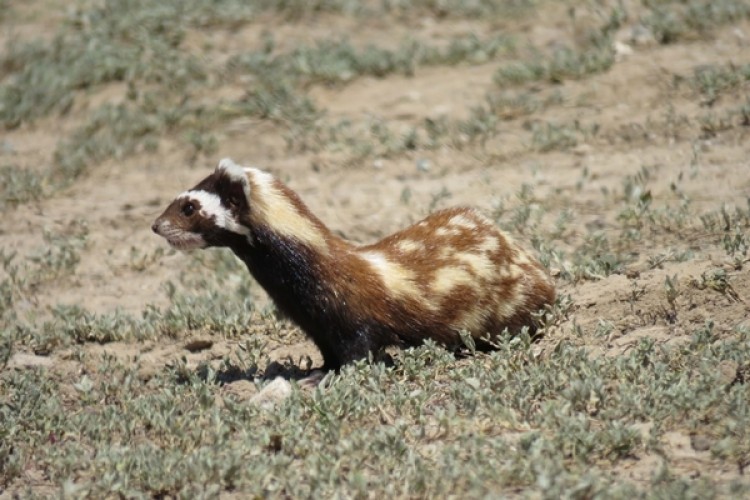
x: 211, y: 207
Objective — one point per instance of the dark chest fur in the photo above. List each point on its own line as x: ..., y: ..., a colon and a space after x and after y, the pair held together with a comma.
x: 299, y: 282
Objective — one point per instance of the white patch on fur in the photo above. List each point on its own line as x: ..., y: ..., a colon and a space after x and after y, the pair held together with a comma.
x: 508, y: 309
x: 408, y: 246
x: 235, y: 172
x: 472, y: 320
x: 462, y: 220
x: 449, y: 277
x: 479, y: 264
x: 447, y: 231
x: 264, y: 180
x: 447, y: 252
x: 397, y: 279
x: 489, y: 245
x: 510, y: 272
x: 211, y: 207
x: 278, y: 212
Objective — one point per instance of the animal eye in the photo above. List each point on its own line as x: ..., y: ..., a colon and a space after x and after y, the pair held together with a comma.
x: 188, y: 209
x: 233, y: 201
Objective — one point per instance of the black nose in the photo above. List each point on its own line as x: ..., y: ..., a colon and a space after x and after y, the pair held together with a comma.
x: 155, y: 227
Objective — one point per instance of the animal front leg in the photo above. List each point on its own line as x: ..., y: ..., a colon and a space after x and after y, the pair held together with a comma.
x: 359, y: 345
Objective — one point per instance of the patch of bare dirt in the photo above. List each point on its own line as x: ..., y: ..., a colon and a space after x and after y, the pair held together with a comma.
x: 624, y: 310
x: 122, y: 267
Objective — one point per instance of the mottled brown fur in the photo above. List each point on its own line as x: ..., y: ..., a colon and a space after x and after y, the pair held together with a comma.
x: 453, y: 271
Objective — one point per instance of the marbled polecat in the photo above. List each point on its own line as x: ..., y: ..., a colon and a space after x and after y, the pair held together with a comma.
x: 453, y: 271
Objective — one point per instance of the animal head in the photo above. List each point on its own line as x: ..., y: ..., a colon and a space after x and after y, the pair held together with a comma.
x: 213, y: 213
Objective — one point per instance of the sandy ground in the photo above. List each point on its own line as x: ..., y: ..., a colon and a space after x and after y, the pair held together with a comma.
x: 118, y: 200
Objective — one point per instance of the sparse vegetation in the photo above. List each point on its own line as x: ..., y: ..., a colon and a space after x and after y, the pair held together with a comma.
x: 336, y: 61
x: 19, y: 186
x: 562, y: 65
x: 675, y: 21
x: 711, y: 81
x: 129, y: 370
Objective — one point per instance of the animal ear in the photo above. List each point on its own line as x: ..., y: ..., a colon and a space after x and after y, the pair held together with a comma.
x: 236, y: 174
